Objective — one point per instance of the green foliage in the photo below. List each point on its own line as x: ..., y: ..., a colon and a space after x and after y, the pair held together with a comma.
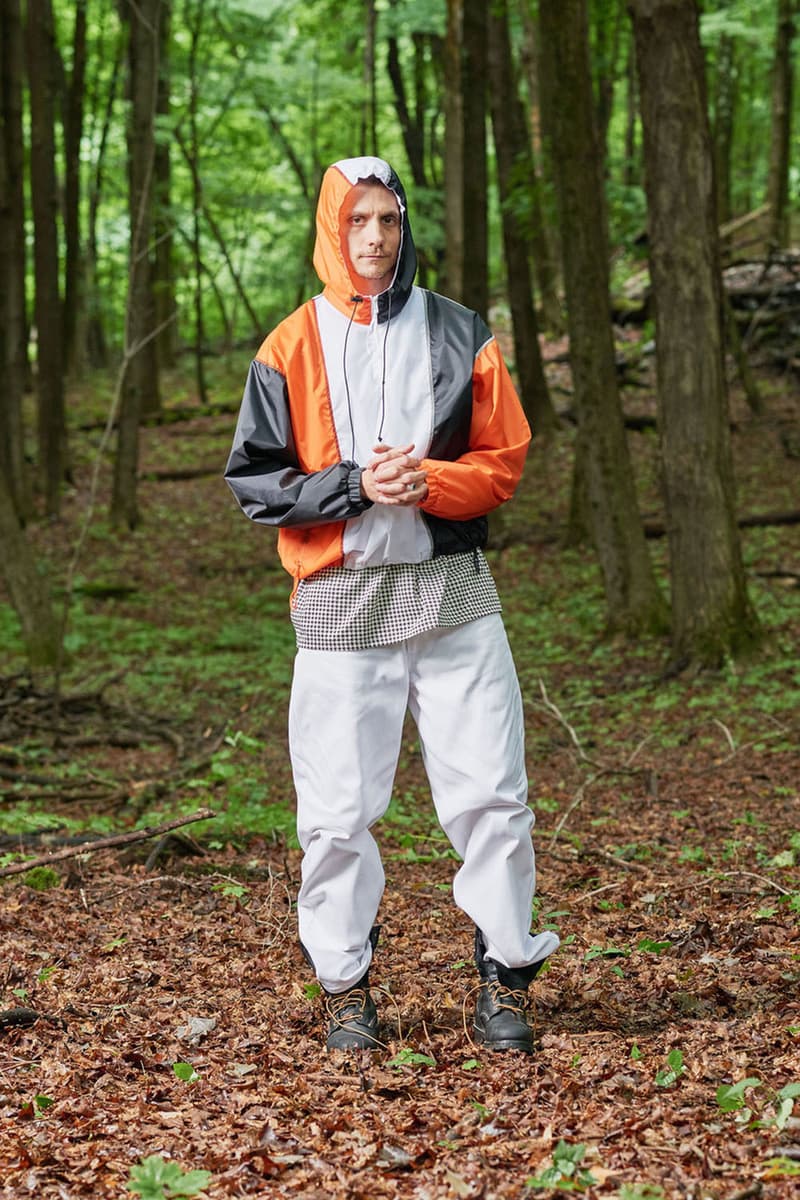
x: 154, y: 1178
x: 730, y: 1096
x: 41, y: 879
x: 411, y: 1058
x: 566, y: 1173
x: 669, y: 1074
x: 185, y: 1072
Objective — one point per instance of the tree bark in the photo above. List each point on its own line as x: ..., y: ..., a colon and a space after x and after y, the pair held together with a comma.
x: 13, y: 324
x: 633, y: 601
x: 543, y: 236
x: 466, y: 219
x: 41, y: 61
x: 197, y: 202
x: 369, y: 136
x: 516, y: 181
x: 711, y: 615
x: 29, y: 593
x: 724, y: 107
x: 163, y: 267
x: 780, y: 141
x: 141, y: 375
x: 73, y: 133
x: 95, y: 330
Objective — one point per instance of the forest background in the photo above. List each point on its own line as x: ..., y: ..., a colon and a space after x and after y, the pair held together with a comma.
x: 615, y: 187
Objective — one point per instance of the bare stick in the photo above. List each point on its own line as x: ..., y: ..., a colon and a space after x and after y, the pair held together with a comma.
x: 119, y: 839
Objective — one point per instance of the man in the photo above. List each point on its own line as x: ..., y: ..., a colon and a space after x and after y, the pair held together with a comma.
x: 378, y: 427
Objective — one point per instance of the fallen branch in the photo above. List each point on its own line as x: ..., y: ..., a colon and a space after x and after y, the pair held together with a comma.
x: 119, y: 839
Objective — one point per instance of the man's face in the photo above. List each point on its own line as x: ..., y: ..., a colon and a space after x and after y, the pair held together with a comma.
x: 370, y: 225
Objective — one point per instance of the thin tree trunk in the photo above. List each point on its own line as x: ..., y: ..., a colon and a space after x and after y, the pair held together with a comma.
x: 95, y: 330
x: 633, y: 600
x: 141, y: 375
x: 41, y: 59
x: 73, y: 133
x: 13, y: 325
x: 543, y: 237
x: 780, y: 142
x: 631, y: 171
x: 369, y: 136
x: 724, y: 106
x: 27, y: 588
x: 197, y: 201
x: 711, y: 615
x: 163, y: 268
x: 466, y: 255
x: 515, y: 181
x: 606, y: 53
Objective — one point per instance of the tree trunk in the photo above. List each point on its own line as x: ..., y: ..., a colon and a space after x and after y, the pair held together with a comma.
x: 631, y: 171
x: 543, y: 237
x: 73, y: 133
x: 780, y: 141
x: 607, y: 21
x: 163, y: 268
x: 41, y: 60
x: 633, y: 600
x: 710, y: 611
x: 466, y: 254
x: 29, y: 593
x: 515, y: 182
x: 197, y: 202
x: 369, y: 137
x: 724, y: 106
x: 141, y: 373
x: 95, y: 329
x: 13, y: 327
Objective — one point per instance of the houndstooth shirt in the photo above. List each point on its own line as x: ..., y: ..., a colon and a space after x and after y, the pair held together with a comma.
x: 342, y: 609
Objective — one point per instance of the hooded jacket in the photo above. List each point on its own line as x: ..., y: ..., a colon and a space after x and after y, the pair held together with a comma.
x: 345, y: 370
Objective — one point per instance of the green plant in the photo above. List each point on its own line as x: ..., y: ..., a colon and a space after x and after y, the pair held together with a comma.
x: 410, y: 1058
x: 730, y: 1096
x: 185, y: 1072
x: 41, y: 879
x: 566, y: 1173
x: 640, y: 1191
x: 156, y: 1179
x: 672, y: 1071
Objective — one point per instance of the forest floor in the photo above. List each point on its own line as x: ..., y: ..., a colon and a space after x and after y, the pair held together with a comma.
x: 180, y: 1030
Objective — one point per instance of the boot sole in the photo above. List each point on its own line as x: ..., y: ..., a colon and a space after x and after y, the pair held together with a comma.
x: 506, y: 1044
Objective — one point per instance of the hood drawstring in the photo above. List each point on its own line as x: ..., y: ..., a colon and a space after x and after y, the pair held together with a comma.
x: 356, y: 300
x: 383, y: 370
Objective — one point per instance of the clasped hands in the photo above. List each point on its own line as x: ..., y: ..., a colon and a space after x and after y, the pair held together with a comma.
x: 393, y: 476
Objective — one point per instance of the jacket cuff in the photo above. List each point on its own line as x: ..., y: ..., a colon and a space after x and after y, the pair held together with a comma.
x: 354, y: 493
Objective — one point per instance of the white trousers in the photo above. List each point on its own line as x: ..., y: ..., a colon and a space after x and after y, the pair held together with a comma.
x: 345, y: 727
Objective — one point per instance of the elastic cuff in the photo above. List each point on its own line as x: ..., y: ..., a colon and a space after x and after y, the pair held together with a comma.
x: 354, y: 493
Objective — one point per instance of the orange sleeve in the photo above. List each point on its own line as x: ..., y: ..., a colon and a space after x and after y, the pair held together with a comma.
x: 487, y: 475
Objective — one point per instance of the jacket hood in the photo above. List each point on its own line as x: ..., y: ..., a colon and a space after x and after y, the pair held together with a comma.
x: 330, y: 260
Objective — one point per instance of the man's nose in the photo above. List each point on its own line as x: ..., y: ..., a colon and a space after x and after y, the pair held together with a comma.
x: 375, y: 232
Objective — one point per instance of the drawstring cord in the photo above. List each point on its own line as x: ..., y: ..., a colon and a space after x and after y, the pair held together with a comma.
x: 383, y: 370
x: 356, y: 301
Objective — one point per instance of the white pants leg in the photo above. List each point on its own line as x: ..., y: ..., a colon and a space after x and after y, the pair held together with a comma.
x: 345, y: 728
x: 465, y: 699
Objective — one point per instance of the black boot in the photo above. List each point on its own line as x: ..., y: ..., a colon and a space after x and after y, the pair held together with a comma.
x: 353, y: 1020
x: 500, y: 1021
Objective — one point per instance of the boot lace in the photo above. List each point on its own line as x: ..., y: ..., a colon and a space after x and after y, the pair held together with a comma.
x: 346, y: 1006
x: 513, y: 999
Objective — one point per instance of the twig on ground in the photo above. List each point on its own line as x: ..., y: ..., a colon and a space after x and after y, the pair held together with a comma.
x: 119, y: 839
x: 554, y: 710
